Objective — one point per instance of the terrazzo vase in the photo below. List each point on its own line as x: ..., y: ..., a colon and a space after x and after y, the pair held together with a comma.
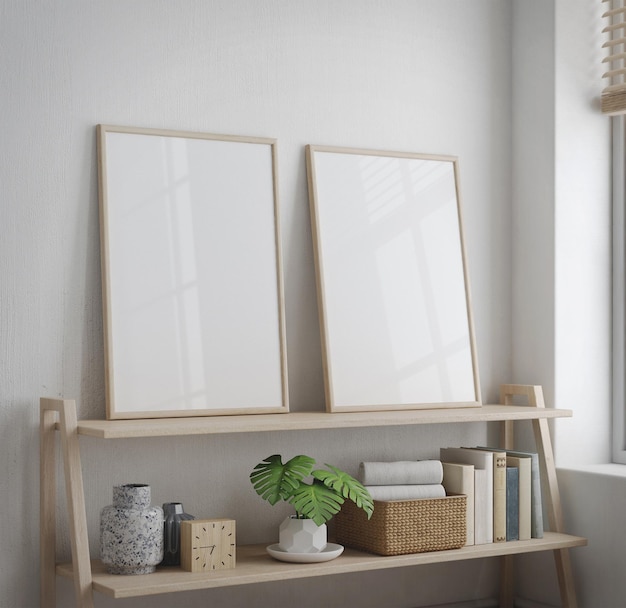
x: 131, y: 531
x: 173, y: 514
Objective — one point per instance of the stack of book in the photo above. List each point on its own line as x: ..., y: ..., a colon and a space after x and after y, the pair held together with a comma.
x: 403, y: 479
x: 503, y: 489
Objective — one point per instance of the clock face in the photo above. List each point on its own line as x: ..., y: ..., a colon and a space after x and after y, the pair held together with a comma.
x: 208, y: 544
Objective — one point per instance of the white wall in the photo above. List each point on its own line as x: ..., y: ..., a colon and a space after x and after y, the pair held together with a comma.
x: 430, y: 76
x: 562, y: 274
x: 532, y: 233
x: 562, y: 220
x: 582, y: 235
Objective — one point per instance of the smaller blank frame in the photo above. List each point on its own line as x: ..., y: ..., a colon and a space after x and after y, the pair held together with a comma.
x: 192, y: 277
x: 393, y: 293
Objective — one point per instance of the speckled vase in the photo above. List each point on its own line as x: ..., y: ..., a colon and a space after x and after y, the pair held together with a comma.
x: 131, y: 531
x: 173, y: 514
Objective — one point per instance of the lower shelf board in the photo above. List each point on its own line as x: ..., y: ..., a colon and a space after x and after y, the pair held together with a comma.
x: 254, y: 565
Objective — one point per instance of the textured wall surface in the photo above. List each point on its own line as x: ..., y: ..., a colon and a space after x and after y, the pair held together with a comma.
x: 430, y: 76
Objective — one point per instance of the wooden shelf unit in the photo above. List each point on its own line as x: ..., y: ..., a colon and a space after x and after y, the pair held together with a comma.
x: 301, y: 421
x: 253, y: 563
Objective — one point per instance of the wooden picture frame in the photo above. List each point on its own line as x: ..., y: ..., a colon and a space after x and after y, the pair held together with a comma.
x: 393, y: 289
x: 192, y: 274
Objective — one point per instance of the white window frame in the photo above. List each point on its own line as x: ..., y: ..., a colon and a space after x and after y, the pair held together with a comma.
x: 619, y: 289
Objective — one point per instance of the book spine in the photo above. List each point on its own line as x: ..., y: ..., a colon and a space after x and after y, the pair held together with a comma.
x: 536, y: 515
x: 499, y: 497
x: 523, y: 465
x: 483, y: 523
x: 512, y: 503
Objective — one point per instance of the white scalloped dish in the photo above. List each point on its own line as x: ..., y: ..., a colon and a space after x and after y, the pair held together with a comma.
x: 331, y: 551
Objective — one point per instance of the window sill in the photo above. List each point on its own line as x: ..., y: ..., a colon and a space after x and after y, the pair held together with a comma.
x: 606, y: 470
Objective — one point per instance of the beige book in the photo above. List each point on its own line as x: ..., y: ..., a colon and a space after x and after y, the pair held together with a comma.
x: 483, y: 506
x: 483, y: 503
x: 499, y: 493
x: 459, y: 479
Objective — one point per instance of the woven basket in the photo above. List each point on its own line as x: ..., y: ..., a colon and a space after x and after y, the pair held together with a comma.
x: 404, y: 526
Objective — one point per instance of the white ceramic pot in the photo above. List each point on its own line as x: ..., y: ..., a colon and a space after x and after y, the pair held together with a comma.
x: 301, y: 536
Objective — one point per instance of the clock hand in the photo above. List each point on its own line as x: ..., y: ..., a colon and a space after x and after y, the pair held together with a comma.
x: 212, y: 547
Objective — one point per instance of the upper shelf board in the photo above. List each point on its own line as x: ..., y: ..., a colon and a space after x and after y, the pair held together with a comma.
x: 295, y: 421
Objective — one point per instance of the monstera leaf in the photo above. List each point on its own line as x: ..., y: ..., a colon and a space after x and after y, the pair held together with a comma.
x: 274, y: 481
x: 347, y: 486
x: 316, y: 502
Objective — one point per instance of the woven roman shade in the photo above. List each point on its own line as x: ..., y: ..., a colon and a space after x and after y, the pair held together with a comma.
x: 614, y: 93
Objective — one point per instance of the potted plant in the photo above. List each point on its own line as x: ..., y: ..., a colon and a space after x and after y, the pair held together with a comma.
x: 315, y: 501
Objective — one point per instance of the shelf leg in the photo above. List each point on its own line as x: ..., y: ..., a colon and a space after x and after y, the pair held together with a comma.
x: 507, y: 562
x: 507, y: 582
x: 47, y: 508
x: 77, y: 517
x: 543, y: 441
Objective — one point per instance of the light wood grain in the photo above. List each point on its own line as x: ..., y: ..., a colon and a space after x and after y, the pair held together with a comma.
x: 119, y: 429
x: 47, y: 507
x: 550, y: 486
x: 262, y: 309
x: 346, y: 391
x: 554, y: 509
x: 507, y: 581
x: 254, y: 565
x: 75, y: 495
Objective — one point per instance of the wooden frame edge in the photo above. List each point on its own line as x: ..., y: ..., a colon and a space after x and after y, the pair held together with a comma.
x: 111, y: 412
x: 331, y: 405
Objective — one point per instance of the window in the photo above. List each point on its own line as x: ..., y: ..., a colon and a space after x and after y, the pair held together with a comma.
x: 614, y: 104
x: 619, y: 292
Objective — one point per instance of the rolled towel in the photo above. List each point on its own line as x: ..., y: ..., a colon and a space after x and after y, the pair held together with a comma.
x: 406, y: 492
x: 401, y: 473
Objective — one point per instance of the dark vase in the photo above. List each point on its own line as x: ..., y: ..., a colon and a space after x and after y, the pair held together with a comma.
x: 173, y: 514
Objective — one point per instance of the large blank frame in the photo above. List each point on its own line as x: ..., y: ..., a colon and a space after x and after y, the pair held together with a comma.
x: 192, y: 277
x: 393, y: 292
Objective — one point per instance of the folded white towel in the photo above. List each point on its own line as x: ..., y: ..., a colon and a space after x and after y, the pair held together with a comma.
x: 401, y: 472
x: 410, y: 492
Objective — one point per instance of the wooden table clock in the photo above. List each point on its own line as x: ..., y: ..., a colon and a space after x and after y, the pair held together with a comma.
x: 207, y: 544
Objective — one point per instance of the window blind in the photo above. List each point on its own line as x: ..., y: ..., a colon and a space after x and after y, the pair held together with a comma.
x: 614, y: 93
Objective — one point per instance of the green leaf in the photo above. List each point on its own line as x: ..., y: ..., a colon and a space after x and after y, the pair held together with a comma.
x: 274, y: 481
x: 347, y: 486
x: 316, y: 501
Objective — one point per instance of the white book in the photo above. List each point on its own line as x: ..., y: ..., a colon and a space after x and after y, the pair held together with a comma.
x: 459, y: 479
x: 483, y: 509
x: 483, y: 505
